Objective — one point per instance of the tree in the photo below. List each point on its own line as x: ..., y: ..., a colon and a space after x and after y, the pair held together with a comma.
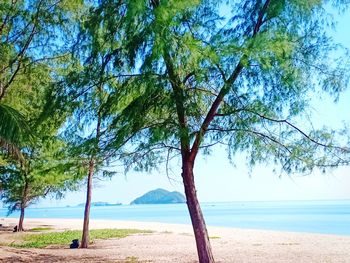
x: 44, y: 168
x: 85, y: 93
x: 31, y: 32
x: 241, y: 79
x: 46, y: 172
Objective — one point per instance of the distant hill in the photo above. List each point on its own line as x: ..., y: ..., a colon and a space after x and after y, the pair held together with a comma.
x: 160, y: 196
x: 101, y: 204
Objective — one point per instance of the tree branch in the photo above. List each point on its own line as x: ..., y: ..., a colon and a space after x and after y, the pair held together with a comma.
x: 225, y: 89
x: 179, y: 101
x: 285, y: 121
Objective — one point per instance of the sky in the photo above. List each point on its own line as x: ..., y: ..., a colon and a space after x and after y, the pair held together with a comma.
x: 218, y: 180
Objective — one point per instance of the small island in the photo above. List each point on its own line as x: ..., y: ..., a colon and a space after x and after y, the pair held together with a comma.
x: 100, y: 204
x: 160, y: 196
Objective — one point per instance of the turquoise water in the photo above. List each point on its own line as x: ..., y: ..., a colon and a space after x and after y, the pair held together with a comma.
x: 328, y: 217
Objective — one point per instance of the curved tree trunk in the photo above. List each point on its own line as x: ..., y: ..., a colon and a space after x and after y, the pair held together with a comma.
x: 200, y: 231
x: 21, y: 219
x: 85, y: 237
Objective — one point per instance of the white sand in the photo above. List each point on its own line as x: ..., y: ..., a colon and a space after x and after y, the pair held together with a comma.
x: 175, y: 243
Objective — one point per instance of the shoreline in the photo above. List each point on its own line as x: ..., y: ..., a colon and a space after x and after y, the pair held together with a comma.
x: 303, y: 217
x: 77, y: 223
x: 176, y: 243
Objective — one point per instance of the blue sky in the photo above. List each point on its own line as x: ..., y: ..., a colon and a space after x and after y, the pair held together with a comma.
x: 218, y: 180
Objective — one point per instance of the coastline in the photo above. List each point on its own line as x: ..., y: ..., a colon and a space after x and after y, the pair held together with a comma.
x: 324, y: 217
x: 76, y: 224
x: 175, y: 243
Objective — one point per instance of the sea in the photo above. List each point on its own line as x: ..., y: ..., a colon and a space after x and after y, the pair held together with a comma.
x: 326, y: 217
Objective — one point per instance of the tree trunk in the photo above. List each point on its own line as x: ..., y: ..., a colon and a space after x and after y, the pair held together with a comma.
x: 93, y: 160
x: 21, y: 219
x: 85, y: 237
x: 200, y: 231
x: 23, y: 204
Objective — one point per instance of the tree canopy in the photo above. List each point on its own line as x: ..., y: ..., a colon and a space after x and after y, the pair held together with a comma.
x: 242, y: 80
x: 238, y: 73
x: 34, y: 36
x: 147, y: 81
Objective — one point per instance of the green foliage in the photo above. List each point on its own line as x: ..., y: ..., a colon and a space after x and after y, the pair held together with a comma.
x: 13, y: 125
x: 43, y: 175
x: 65, y: 238
x: 32, y: 32
x: 34, y: 37
x: 255, y: 67
x: 33, y: 46
x: 92, y: 76
x: 44, y: 168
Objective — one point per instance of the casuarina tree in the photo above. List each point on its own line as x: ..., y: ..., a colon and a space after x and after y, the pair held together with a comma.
x: 43, y: 168
x: 95, y: 72
x: 33, y: 37
x: 31, y: 33
x: 239, y: 73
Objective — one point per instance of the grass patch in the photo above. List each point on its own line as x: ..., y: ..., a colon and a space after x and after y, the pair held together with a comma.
x: 64, y: 238
x: 41, y: 229
x: 214, y: 237
x: 133, y: 259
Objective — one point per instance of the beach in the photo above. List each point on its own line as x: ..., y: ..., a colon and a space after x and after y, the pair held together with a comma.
x: 175, y: 243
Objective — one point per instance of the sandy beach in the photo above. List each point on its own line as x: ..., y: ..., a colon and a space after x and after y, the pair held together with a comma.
x: 175, y: 243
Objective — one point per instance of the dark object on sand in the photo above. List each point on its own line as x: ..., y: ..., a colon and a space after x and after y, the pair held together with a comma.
x: 75, y: 243
x: 15, y: 229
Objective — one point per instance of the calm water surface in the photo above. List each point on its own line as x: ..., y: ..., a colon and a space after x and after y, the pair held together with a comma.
x: 328, y: 217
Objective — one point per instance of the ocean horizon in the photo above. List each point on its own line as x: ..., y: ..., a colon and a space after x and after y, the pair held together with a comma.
x: 320, y: 216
